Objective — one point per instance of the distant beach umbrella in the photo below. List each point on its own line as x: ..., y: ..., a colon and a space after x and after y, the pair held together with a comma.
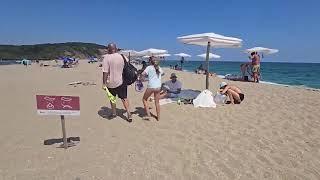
x: 263, y: 50
x: 131, y: 53
x: 183, y: 55
x: 211, y: 40
x: 210, y: 56
x: 152, y: 52
x: 162, y: 55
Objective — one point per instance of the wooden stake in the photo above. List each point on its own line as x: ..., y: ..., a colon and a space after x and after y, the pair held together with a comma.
x: 207, y: 64
x: 63, y: 124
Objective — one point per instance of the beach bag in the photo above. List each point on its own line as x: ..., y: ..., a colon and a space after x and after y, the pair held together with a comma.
x: 129, y: 73
x: 139, y: 86
x: 204, y: 99
x: 220, y: 98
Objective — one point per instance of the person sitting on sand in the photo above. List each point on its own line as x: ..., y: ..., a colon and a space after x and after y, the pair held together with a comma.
x: 176, y: 67
x: 200, y: 70
x: 172, y: 88
x: 233, y: 92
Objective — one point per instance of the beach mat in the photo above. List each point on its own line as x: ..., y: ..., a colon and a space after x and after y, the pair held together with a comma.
x: 186, y: 94
x: 167, y: 101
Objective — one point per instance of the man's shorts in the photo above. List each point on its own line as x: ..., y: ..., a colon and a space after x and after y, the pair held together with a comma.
x: 120, y: 91
x: 256, y: 68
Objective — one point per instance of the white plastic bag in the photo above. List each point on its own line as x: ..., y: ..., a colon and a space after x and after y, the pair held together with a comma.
x: 220, y: 98
x: 204, y: 99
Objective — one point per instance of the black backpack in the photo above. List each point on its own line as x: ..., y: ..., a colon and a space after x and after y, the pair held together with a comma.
x: 130, y: 73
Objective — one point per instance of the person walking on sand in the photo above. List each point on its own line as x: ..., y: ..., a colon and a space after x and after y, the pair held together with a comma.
x: 154, y: 73
x: 255, y: 66
x: 112, y: 67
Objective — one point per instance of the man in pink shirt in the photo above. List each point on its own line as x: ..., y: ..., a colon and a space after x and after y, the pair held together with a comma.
x: 112, y: 68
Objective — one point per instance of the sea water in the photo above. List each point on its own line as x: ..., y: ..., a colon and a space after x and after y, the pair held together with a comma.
x: 8, y: 62
x: 296, y: 74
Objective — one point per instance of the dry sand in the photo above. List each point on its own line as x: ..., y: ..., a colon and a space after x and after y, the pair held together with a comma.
x: 273, y: 134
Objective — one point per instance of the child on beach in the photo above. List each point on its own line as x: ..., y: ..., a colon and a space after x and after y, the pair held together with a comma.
x: 154, y: 73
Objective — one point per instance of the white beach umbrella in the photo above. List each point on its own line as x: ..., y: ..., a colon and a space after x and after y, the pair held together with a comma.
x: 145, y: 56
x: 211, y: 40
x: 163, y: 55
x: 215, y: 40
x: 152, y: 52
x: 263, y: 50
x: 210, y: 55
x: 183, y: 55
x: 132, y: 53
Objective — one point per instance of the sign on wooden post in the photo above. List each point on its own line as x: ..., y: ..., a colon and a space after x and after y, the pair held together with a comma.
x: 59, y: 105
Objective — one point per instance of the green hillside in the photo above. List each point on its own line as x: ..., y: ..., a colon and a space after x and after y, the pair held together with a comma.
x: 50, y: 51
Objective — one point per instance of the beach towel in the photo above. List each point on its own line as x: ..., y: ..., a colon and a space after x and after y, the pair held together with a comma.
x: 167, y: 101
x: 112, y: 98
x: 204, y: 99
x: 188, y: 94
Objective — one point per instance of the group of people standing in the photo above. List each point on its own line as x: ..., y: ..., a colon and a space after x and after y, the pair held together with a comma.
x: 112, y: 67
x: 254, y: 65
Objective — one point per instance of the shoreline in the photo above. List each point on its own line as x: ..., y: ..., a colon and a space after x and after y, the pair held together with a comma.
x: 262, y: 82
x: 218, y: 75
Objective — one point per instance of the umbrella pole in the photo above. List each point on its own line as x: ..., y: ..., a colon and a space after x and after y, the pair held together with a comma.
x: 129, y: 58
x: 207, y: 62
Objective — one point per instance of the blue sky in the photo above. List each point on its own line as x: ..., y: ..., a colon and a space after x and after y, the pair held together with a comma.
x: 292, y: 26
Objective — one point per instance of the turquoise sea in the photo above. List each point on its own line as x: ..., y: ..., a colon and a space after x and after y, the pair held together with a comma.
x: 296, y: 74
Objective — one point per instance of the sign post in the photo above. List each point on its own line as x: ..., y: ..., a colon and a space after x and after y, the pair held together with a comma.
x: 64, y: 134
x: 59, y: 105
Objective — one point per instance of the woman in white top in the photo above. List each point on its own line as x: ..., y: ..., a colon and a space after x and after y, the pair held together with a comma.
x: 153, y: 72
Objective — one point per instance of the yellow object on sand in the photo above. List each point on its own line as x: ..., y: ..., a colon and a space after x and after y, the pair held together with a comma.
x: 112, y: 98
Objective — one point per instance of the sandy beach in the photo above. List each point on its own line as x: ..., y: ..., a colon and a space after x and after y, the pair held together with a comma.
x: 273, y: 134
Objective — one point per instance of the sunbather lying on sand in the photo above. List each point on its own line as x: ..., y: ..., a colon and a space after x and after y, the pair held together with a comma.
x: 233, y: 92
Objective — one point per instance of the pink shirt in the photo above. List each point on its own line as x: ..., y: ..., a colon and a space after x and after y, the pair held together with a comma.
x: 113, y: 65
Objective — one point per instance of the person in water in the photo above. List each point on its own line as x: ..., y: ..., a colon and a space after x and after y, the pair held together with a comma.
x: 233, y: 92
x: 255, y: 62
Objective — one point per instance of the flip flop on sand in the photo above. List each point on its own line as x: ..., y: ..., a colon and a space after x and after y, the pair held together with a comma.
x: 129, y: 118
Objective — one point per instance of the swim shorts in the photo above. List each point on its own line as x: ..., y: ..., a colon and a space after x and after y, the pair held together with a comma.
x: 256, y: 68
